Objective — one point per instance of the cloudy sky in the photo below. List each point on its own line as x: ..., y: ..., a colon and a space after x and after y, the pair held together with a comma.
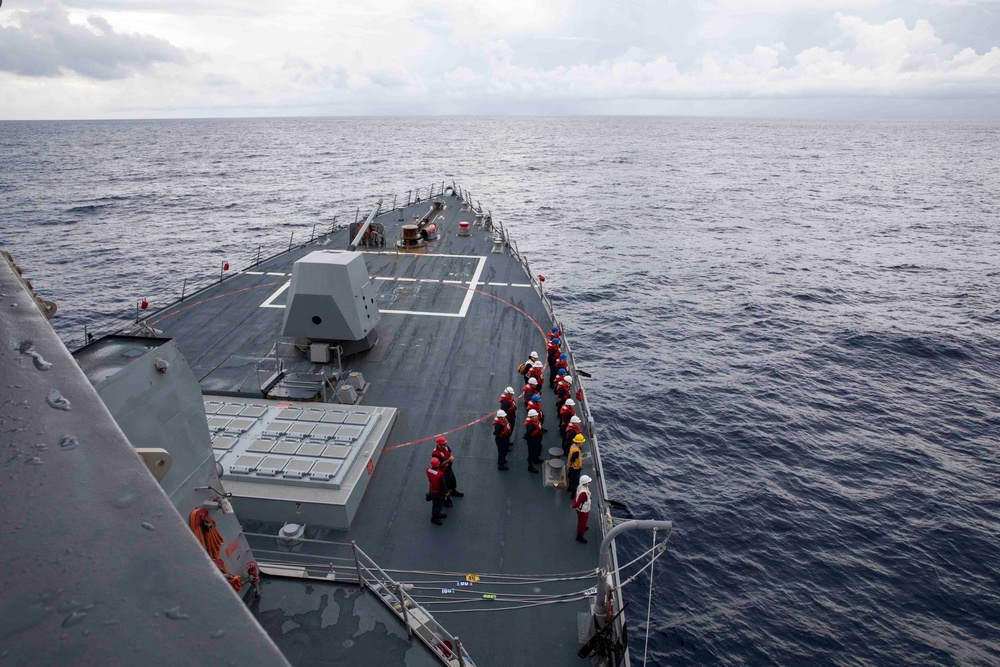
x: 206, y: 58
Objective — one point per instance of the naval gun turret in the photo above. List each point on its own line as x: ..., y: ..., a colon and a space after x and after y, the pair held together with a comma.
x: 331, y: 301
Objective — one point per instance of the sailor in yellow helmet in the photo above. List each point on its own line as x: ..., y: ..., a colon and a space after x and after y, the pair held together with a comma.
x: 574, y: 464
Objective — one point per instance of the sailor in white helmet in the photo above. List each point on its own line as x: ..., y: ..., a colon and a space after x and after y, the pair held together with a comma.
x: 572, y: 430
x: 582, y: 507
x: 501, y: 434
x: 526, y: 366
x: 533, y: 434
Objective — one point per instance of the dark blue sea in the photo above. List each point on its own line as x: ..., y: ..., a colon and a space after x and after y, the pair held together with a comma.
x: 793, y: 329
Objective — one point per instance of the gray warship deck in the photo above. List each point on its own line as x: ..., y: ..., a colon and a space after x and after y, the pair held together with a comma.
x: 457, y: 320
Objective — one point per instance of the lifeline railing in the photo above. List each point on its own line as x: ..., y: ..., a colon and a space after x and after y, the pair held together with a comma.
x: 344, y: 562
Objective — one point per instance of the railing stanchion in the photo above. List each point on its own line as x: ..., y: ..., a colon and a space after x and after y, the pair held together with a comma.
x: 184, y: 288
x: 357, y: 564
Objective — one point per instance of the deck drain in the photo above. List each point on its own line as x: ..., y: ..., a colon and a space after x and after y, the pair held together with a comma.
x: 348, y: 643
x: 536, y: 589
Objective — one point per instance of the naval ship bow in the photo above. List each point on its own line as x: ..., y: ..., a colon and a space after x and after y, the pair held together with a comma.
x: 326, y: 373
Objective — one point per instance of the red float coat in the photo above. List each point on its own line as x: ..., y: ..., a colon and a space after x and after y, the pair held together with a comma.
x: 442, y: 453
x: 532, y: 428
x: 435, y: 478
x: 508, y: 405
x: 500, y: 421
x: 565, y: 414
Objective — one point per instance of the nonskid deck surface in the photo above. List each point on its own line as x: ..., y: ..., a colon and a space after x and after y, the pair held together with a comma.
x: 457, y: 320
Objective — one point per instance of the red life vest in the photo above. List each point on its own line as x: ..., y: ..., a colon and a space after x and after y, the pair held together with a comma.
x: 442, y: 453
x: 506, y: 426
x: 434, y: 478
x: 565, y: 414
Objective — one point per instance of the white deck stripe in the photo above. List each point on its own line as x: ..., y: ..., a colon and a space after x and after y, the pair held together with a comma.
x: 472, y: 286
x: 269, y: 303
x: 270, y: 300
x: 520, y: 285
x: 497, y: 284
x: 254, y: 273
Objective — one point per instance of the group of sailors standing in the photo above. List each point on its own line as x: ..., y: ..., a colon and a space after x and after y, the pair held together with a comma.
x: 441, y: 476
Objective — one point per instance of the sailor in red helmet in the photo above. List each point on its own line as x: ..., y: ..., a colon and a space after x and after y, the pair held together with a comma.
x: 582, y: 506
x: 443, y: 453
x: 552, y: 353
x: 533, y: 434
x: 566, y: 412
x: 436, y: 485
x: 501, y: 434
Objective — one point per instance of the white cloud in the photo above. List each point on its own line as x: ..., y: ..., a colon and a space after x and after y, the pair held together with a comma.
x: 46, y: 43
x: 727, y: 15
x: 412, y: 56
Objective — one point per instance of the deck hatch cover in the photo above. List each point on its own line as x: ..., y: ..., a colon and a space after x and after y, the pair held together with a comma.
x: 325, y: 469
x: 260, y: 446
x: 324, y: 431
x: 244, y: 465
x: 224, y: 442
x: 218, y: 423
x: 285, y: 448
x: 310, y: 450
x: 297, y: 468
x: 271, y: 466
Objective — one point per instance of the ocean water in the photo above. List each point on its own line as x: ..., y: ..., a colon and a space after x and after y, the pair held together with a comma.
x: 793, y: 329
